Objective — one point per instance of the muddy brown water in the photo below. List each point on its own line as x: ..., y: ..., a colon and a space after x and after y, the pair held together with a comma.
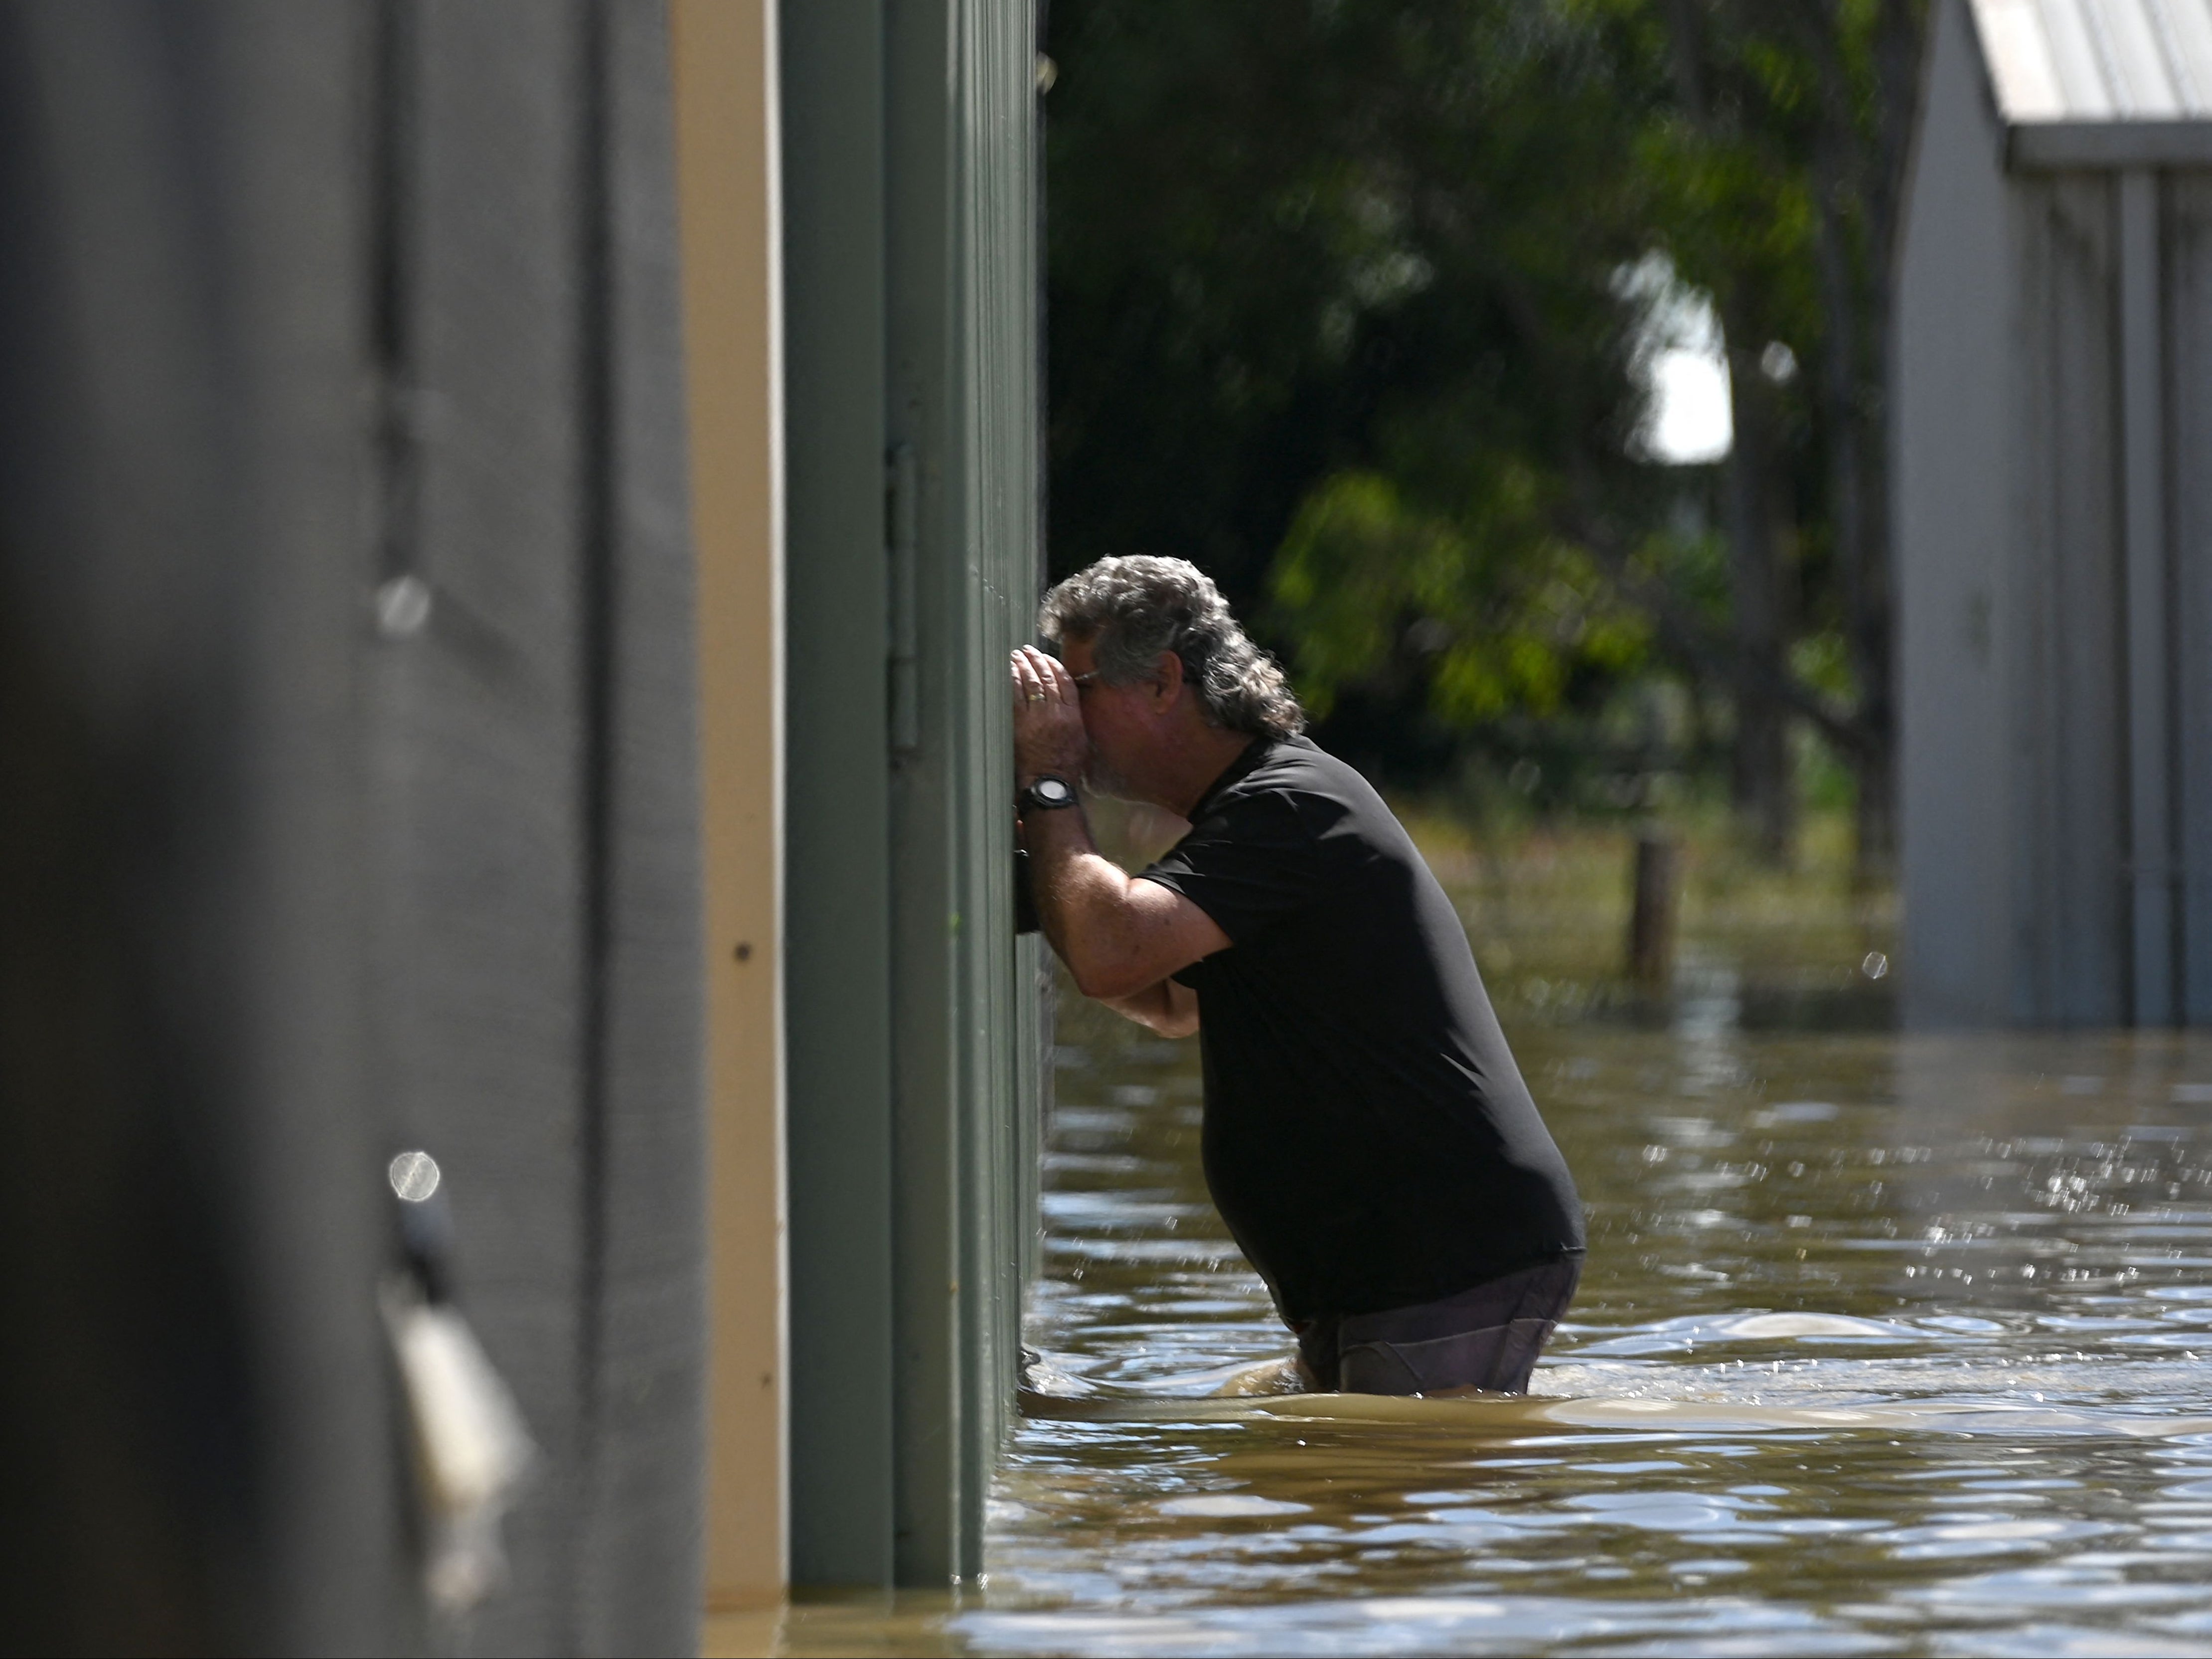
x: 1887, y: 1344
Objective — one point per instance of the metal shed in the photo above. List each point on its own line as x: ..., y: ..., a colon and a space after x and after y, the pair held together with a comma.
x: 2053, y: 478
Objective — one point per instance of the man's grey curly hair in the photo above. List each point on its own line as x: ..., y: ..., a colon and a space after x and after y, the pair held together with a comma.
x: 1130, y: 610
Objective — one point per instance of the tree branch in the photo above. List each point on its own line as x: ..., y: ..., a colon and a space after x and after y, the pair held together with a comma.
x: 1714, y: 656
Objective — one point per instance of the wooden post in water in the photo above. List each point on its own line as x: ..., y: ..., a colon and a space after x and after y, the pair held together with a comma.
x: 1652, y: 908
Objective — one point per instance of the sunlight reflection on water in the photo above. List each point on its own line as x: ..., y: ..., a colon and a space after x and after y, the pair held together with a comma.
x: 1885, y: 1344
x: 1930, y: 1306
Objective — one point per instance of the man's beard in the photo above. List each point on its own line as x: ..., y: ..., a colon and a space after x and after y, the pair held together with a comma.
x: 1100, y: 779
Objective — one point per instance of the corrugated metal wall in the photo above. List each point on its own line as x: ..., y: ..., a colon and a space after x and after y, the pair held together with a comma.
x: 2069, y: 775
x: 914, y: 567
x: 194, y: 1460
x: 1955, y: 413
x: 2112, y: 736
x: 536, y: 741
x: 837, y: 791
x: 2057, y: 654
x: 2187, y: 241
x: 346, y: 688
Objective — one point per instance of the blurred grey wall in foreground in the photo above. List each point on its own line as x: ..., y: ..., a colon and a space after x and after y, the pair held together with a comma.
x: 346, y: 804
x: 2054, y: 516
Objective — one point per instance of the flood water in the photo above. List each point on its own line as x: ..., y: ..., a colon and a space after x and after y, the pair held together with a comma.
x: 1885, y: 1345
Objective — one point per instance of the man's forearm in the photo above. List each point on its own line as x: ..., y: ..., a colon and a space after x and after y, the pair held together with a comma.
x: 1082, y: 902
x: 1118, y: 936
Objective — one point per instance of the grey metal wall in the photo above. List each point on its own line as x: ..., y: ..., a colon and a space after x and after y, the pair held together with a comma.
x: 913, y: 568
x: 2068, y: 799
x: 2053, y: 487
x: 1955, y: 342
x: 536, y: 786
x: 346, y: 703
x: 2188, y: 263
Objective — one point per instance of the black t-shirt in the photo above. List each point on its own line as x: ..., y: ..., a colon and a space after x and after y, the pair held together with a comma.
x: 1367, y: 1137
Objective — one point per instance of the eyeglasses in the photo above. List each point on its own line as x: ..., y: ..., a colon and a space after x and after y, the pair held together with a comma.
x: 1085, y: 681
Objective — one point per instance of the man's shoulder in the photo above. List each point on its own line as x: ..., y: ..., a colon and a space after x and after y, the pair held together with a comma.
x: 1298, y: 791
x: 1301, y: 770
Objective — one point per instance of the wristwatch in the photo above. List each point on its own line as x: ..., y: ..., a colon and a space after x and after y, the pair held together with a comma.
x: 1047, y: 793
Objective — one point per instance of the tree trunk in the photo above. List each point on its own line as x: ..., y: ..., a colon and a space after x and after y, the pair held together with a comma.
x: 1899, y: 41
x: 1764, y: 800
x: 1855, y: 170
x: 1849, y: 384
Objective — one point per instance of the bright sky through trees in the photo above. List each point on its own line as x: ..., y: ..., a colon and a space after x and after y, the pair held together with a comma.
x: 1689, y: 405
x: 1680, y: 356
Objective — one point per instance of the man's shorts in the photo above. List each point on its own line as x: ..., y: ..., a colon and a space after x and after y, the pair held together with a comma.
x: 1487, y: 1338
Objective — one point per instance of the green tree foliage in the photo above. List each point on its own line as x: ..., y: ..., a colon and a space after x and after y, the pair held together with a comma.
x: 1506, y: 611
x: 1344, y: 306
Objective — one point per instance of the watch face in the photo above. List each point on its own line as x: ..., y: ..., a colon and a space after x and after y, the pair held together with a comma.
x: 1051, y: 792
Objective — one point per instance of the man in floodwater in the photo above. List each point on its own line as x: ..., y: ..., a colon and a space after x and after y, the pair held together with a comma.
x: 1367, y: 1137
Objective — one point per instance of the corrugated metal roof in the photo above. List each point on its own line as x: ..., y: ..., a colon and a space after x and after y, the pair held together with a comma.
x: 2065, y: 71
x: 2098, y: 60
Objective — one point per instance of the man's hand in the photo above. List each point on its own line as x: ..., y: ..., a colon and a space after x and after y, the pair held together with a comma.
x: 1170, y: 1009
x: 1120, y: 938
x: 1048, y: 734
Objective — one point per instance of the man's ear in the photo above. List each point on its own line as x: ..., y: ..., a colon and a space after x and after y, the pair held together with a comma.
x: 1167, y: 681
